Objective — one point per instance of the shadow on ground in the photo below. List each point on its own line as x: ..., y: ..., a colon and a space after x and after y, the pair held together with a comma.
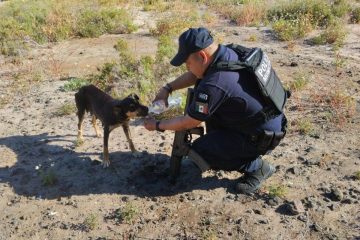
x: 46, y: 169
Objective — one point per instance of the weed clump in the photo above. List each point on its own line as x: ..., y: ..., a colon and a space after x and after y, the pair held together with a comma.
x: 355, y: 15
x: 65, y: 109
x: 277, y: 191
x: 48, y: 178
x: 126, y: 214
x: 90, y: 222
x: 74, y: 84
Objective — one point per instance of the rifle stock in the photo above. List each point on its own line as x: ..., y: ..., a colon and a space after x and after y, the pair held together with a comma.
x: 182, y: 146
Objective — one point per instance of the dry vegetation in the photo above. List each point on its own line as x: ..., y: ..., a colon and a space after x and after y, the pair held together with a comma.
x: 305, y: 40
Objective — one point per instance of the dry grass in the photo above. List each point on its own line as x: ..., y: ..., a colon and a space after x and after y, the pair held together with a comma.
x: 65, y: 109
x: 251, y: 13
x: 337, y: 108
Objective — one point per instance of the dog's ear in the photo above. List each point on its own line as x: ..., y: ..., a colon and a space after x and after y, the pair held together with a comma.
x: 134, y: 96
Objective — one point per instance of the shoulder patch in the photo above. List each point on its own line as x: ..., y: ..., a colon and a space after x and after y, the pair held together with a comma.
x: 203, y: 97
x: 202, y: 107
x: 202, y: 103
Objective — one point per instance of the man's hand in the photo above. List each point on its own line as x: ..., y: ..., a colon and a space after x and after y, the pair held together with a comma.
x: 150, y: 124
x: 163, y: 94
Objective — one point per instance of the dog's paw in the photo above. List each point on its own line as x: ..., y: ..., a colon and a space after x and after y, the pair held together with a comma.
x: 105, y: 164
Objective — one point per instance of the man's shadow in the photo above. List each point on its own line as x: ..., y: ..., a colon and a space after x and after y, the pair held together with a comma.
x: 50, y: 167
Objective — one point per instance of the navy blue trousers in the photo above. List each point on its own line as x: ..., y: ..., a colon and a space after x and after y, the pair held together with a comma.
x: 227, y: 150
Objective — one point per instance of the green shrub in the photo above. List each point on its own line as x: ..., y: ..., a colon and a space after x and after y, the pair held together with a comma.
x: 95, y: 23
x: 335, y: 33
x: 74, y: 84
x: 340, y: 8
x: 301, y: 79
x: 318, y: 11
x: 277, y: 191
x: 51, y: 21
x: 355, y: 15
x: 357, y: 175
x: 304, y: 126
x: 90, y: 222
x: 48, y: 178
x: 177, y: 24
x: 125, y: 214
x: 166, y: 48
x: 288, y: 30
x: 155, y: 5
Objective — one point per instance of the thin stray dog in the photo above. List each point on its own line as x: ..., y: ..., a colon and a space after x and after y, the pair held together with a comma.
x: 111, y: 112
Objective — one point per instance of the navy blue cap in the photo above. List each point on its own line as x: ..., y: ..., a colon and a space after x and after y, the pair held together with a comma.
x: 190, y: 41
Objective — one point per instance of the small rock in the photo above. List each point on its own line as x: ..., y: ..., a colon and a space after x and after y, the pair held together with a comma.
x: 334, y: 207
x: 125, y: 199
x: 257, y: 211
x: 295, y: 207
x: 316, y: 227
x: 347, y: 201
x: 294, y: 170
x: 312, y: 161
x: 302, y: 218
x: 294, y: 64
x: 263, y: 220
x: 336, y: 194
x: 274, y: 201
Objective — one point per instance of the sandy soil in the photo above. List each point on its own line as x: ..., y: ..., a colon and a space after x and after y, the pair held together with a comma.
x: 88, y: 202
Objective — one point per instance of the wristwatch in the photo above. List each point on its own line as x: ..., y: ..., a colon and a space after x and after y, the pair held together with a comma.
x: 168, y: 88
x: 157, y: 127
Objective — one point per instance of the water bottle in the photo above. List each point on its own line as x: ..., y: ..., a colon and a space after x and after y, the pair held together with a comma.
x: 159, y: 106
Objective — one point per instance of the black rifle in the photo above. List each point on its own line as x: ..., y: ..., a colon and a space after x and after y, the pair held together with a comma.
x: 182, y: 146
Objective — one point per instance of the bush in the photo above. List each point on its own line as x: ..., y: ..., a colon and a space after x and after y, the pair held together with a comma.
x: 355, y: 15
x: 251, y: 13
x: 51, y: 21
x: 48, y: 178
x: 318, y: 11
x: 288, y: 30
x: 335, y: 33
x: 340, y: 8
x: 93, y: 24
x: 74, y: 84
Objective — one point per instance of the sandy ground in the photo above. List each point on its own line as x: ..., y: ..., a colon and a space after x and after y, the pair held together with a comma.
x: 133, y: 199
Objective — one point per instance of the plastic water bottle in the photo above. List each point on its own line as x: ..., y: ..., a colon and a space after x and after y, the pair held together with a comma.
x: 159, y: 106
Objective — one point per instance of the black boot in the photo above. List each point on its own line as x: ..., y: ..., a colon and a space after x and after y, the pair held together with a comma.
x: 251, y: 181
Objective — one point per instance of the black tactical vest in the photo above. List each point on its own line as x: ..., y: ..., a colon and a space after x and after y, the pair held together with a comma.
x: 257, y: 63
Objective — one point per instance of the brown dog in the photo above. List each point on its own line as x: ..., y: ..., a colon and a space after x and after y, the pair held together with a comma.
x: 111, y: 112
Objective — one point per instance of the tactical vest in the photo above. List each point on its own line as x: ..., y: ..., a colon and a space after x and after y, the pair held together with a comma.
x: 258, y: 64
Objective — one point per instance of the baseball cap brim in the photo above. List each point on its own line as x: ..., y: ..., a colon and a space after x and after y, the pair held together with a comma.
x: 179, y: 59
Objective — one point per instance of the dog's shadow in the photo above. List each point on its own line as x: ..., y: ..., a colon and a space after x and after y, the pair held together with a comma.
x: 49, y: 167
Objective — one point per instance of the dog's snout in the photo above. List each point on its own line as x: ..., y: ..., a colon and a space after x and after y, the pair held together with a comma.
x: 145, y: 111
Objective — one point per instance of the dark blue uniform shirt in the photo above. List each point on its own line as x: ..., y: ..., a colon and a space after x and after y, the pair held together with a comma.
x: 228, y: 97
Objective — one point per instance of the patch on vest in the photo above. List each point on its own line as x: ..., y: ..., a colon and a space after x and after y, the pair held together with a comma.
x: 203, y: 97
x: 202, y: 103
x: 202, y: 107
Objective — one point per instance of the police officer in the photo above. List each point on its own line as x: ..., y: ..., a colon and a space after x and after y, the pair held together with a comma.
x: 221, y: 99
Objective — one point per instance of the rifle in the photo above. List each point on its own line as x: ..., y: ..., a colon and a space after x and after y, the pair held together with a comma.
x: 182, y: 146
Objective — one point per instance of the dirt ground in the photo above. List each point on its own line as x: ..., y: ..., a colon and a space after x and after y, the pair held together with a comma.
x: 133, y: 198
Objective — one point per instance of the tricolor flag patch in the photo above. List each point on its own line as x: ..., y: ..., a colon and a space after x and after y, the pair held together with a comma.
x: 202, y: 107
